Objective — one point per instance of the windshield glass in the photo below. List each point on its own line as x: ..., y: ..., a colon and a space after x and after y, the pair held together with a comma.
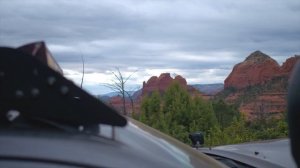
x: 216, y: 68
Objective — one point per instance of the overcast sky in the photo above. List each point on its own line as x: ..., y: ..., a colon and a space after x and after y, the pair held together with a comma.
x: 199, y: 39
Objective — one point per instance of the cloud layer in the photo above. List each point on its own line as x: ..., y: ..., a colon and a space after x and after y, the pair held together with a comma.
x: 201, y: 40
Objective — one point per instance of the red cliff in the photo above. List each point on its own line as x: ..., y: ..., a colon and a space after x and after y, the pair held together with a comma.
x: 162, y: 83
x: 268, y: 82
x: 288, y: 65
x: 256, y: 69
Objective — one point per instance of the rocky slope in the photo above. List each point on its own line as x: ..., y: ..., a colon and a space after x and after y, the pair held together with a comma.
x: 258, y: 85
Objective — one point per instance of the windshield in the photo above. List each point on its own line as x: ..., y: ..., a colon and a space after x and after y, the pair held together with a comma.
x: 220, y: 68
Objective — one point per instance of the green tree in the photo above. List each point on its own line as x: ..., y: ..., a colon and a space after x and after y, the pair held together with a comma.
x: 224, y: 113
x: 177, y: 102
x: 215, y: 136
x: 176, y: 113
x: 151, y: 109
x: 270, y: 128
x: 177, y: 108
x: 238, y: 132
x: 202, y: 115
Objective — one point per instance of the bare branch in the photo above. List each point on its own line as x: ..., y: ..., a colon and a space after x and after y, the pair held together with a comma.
x: 118, y: 85
x: 82, y: 69
x: 117, y: 77
x: 131, y: 101
x: 113, y: 87
x: 130, y: 76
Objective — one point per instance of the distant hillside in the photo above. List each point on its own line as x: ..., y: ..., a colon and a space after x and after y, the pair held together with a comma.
x: 106, y: 97
x: 112, y: 94
x: 209, y: 89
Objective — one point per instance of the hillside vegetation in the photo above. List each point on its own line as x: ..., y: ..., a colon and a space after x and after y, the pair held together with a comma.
x: 177, y: 114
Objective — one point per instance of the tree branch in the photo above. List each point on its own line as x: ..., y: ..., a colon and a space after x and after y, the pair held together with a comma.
x: 82, y: 69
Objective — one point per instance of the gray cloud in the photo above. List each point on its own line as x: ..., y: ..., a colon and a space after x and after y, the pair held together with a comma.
x: 185, y: 35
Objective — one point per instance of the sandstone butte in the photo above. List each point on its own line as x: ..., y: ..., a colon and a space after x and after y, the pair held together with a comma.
x: 162, y: 83
x: 259, y: 69
x: 155, y: 83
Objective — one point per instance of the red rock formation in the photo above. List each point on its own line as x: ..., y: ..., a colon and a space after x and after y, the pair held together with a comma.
x: 151, y: 85
x: 268, y: 104
x: 271, y: 79
x: 256, y: 69
x: 117, y: 103
x: 161, y: 83
x: 164, y: 81
x: 181, y: 80
x: 288, y: 65
x: 116, y: 100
